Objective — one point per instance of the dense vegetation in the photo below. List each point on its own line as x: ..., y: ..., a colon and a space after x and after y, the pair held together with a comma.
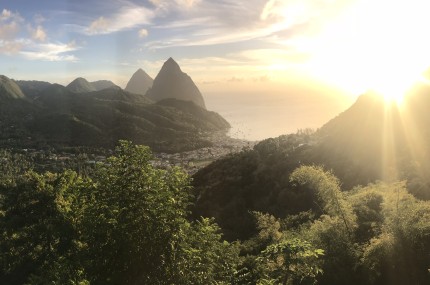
x: 129, y: 223
x: 348, y: 204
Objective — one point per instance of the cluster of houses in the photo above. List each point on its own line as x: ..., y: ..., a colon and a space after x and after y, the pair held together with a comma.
x: 190, y: 161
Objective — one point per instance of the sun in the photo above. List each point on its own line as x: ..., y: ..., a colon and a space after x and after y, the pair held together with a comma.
x: 394, y: 90
x: 394, y: 98
x: 368, y: 47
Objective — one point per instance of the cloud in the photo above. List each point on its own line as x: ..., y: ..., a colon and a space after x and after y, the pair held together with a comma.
x: 31, y: 42
x: 6, y: 14
x: 143, y: 33
x: 10, y: 47
x: 176, y: 4
x: 209, y: 23
x: 10, y: 24
x: 38, y: 33
x: 51, y: 52
x: 126, y: 19
x: 98, y: 26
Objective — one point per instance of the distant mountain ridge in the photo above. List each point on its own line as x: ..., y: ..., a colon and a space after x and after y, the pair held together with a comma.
x: 139, y: 83
x: 81, y: 85
x: 171, y: 82
x: 98, y: 114
x: 32, y: 88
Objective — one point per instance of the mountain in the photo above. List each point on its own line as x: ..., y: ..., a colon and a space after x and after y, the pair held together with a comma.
x: 60, y: 117
x: 32, y: 88
x: 373, y: 140
x: 103, y: 84
x: 171, y: 82
x: 80, y: 85
x: 9, y: 89
x: 139, y: 83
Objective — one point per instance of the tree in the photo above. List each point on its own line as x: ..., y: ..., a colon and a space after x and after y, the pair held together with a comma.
x: 39, y: 243
x: 125, y: 225
x: 135, y: 225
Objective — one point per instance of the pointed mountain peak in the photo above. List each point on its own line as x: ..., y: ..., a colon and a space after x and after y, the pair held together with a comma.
x: 171, y: 64
x: 140, y: 72
x: 139, y: 82
x: 171, y: 82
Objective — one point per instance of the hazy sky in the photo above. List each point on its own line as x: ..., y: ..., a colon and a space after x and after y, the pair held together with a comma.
x: 229, y: 46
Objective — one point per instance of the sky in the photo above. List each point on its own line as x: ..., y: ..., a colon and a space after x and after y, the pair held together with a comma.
x: 319, y: 52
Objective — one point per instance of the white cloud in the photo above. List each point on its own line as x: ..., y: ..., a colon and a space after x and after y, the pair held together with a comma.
x: 221, y: 22
x: 99, y: 26
x: 10, y: 24
x: 38, y: 33
x: 10, y: 47
x: 6, y: 14
x: 51, y: 52
x: 31, y: 43
x: 176, y: 4
x: 143, y: 33
x: 127, y: 18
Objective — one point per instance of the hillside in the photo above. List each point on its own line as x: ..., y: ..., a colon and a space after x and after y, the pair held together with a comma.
x: 103, y: 84
x: 9, y: 89
x: 32, y: 88
x: 60, y: 117
x: 80, y: 85
x: 366, y: 143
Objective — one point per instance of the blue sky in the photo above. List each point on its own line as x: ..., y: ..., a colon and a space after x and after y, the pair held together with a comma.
x: 223, y: 44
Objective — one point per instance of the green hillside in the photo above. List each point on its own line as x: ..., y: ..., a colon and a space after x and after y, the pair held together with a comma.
x: 61, y: 117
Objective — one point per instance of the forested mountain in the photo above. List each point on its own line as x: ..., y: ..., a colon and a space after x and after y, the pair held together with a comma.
x: 380, y: 235
x: 372, y: 140
x: 80, y: 85
x: 103, y: 84
x: 79, y: 115
x: 32, y: 88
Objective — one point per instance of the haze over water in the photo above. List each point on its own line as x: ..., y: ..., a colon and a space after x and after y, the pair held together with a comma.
x: 257, y: 116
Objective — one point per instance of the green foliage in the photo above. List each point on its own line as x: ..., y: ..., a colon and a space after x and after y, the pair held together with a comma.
x: 125, y: 225
x: 278, y: 256
x: 253, y: 180
x: 291, y: 261
x: 12, y: 166
x: 133, y: 217
x: 327, y: 188
x: 38, y: 242
x: 399, y: 254
x: 333, y: 231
